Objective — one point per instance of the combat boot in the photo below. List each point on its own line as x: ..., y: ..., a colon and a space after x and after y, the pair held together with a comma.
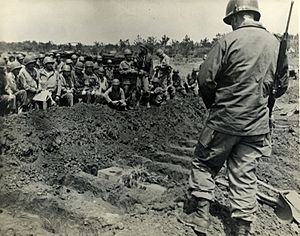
x: 199, y: 219
x: 243, y: 228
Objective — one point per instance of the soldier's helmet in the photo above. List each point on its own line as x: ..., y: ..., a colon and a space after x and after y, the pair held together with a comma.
x: 155, y: 80
x: 127, y: 52
x: 15, y: 65
x: 89, y: 64
x: 115, y: 82
x: 66, y: 68
x: 74, y: 57
x: 81, y: 58
x: 109, y: 61
x: 47, y: 60
x: 159, y: 52
x: 99, y: 58
x: 29, y: 59
x: 195, y: 69
x: 101, y: 70
x: 41, y: 56
x: 176, y: 71
x: 69, y: 62
x: 235, y: 6
x: 79, y: 65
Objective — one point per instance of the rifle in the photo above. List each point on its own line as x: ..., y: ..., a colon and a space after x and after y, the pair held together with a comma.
x: 281, y: 75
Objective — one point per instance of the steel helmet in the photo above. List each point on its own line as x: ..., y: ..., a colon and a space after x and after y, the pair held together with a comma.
x: 235, y: 6
x: 20, y: 56
x: 81, y: 58
x: 127, y: 52
x: 2, y: 63
x: 48, y: 60
x: 79, y: 65
x: 176, y: 71
x: 109, y: 61
x: 69, y: 61
x: 159, y: 52
x: 99, y: 58
x: 115, y: 82
x: 29, y: 59
x: 101, y: 70
x: 89, y: 64
x: 66, y: 68
x: 96, y: 66
x: 15, y: 65
x: 74, y: 57
x: 41, y: 56
x: 155, y: 80
x: 195, y: 69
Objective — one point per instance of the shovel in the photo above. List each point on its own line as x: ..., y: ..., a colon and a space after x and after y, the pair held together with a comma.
x: 286, y: 205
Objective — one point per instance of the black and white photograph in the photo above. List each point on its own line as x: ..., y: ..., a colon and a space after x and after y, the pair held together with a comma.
x: 149, y: 118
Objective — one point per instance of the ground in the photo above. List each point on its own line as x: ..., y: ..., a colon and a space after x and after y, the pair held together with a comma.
x: 54, y: 178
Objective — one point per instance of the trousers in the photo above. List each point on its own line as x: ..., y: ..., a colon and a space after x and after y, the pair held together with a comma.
x: 241, y: 153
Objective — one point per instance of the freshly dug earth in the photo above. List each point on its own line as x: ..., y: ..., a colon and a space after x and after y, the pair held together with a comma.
x: 50, y: 160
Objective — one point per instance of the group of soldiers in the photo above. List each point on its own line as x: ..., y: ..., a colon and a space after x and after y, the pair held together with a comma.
x: 38, y: 82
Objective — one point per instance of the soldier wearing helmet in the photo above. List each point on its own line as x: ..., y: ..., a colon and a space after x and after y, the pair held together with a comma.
x: 79, y: 81
x: 65, y: 88
x: 74, y: 59
x: 109, y: 72
x: 103, y: 84
x: 144, y: 64
x: 13, y: 86
x: 29, y: 78
x: 58, y: 62
x: 156, y: 92
x: 115, y: 96
x: 91, y: 82
x: 177, y: 84
x: 49, y: 79
x: 129, y: 77
x: 191, y: 81
x: 20, y: 58
x: 235, y: 83
x: 163, y: 69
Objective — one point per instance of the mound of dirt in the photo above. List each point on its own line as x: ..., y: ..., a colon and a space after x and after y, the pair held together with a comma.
x: 53, y: 171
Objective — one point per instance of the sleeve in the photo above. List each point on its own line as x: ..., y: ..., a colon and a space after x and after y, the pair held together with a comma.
x: 151, y: 70
x: 24, y: 85
x: 59, y: 86
x: 208, y: 74
x: 106, y: 95
x: 122, y: 95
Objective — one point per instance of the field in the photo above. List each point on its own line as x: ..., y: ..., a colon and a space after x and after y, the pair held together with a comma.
x: 54, y: 181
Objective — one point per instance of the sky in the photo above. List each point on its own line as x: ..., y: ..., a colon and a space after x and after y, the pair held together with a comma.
x: 108, y: 21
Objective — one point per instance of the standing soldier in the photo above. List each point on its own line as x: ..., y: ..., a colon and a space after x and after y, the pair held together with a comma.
x: 129, y: 77
x: 29, y: 78
x: 144, y: 65
x: 235, y: 82
x: 163, y: 70
x: 78, y: 80
x: 12, y: 78
x: 66, y: 87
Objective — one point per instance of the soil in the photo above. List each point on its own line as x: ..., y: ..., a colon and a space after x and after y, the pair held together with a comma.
x: 53, y: 176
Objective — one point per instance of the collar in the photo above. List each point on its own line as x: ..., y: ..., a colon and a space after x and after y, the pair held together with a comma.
x: 248, y: 23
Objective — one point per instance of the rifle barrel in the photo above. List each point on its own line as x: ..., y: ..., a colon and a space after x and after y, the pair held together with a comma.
x: 289, y: 17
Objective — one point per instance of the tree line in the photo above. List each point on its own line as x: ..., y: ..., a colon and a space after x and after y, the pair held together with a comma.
x: 185, y: 48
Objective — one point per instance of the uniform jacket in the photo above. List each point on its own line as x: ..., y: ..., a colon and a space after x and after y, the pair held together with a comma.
x: 29, y: 80
x: 145, y: 63
x: 91, y: 82
x: 78, y: 80
x: 49, y: 80
x: 65, y: 85
x: 111, y: 95
x: 236, y: 79
x: 12, y: 83
x: 127, y: 70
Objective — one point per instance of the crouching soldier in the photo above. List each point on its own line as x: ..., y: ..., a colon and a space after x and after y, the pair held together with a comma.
x: 91, y: 82
x: 115, y: 96
x: 48, y: 85
x: 7, y: 100
x: 178, y: 83
x: 12, y: 79
x: 103, y: 84
x: 157, y: 94
x: 191, y: 83
x: 66, y: 87
x: 29, y: 78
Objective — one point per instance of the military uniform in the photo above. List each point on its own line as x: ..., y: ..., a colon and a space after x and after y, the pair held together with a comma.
x: 21, y: 95
x: 192, y: 83
x: 235, y: 82
x: 117, y: 95
x: 91, y: 83
x: 29, y: 81
x: 65, y: 90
